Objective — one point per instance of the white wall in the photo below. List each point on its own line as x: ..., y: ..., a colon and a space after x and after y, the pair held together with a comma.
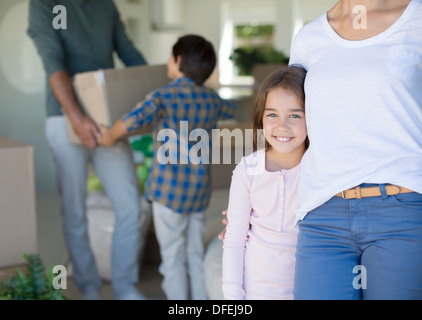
x: 22, y: 110
x: 205, y: 17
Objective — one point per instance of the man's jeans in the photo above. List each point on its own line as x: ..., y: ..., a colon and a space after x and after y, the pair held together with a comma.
x: 115, y: 168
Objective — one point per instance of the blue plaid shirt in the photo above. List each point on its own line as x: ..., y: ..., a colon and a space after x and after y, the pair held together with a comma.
x: 181, y: 184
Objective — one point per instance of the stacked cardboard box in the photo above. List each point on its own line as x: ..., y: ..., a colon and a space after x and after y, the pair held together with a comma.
x: 17, y: 202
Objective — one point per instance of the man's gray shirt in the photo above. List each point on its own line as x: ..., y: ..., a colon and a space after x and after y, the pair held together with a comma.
x: 93, y: 32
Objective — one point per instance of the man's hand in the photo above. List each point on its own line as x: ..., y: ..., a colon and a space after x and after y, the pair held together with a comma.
x: 84, y: 127
x: 87, y: 131
x: 105, y: 138
x: 225, y: 222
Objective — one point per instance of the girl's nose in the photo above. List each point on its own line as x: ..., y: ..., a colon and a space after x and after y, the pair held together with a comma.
x: 283, y: 122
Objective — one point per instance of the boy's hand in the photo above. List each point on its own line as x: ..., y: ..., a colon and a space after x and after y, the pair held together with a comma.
x: 225, y: 222
x: 105, y: 139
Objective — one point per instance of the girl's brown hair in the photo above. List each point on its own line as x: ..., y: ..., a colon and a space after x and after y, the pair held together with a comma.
x: 291, y: 78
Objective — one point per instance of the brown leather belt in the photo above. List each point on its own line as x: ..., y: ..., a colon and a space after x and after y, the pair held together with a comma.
x: 359, y: 193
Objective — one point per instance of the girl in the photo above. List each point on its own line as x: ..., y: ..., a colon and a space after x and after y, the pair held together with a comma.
x: 260, y: 241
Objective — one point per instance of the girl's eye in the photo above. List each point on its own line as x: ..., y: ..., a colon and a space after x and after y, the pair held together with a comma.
x: 271, y: 115
x: 295, y: 116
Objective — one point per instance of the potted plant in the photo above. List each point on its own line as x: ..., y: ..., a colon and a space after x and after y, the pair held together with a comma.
x: 244, y: 58
x: 34, y: 284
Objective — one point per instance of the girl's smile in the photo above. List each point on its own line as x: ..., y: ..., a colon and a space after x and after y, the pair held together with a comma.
x: 283, y: 139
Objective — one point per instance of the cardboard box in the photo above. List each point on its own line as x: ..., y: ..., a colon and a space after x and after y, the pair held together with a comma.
x: 262, y: 70
x: 235, y: 149
x: 18, y: 232
x: 106, y: 95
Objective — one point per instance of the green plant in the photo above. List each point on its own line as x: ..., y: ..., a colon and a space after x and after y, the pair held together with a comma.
x: 143, y: 146
x: 244, y: 58
x: 248, y: 31
x: 34, y: 284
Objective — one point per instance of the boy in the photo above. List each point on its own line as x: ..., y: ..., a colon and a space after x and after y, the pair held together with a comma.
x: 179, y: 192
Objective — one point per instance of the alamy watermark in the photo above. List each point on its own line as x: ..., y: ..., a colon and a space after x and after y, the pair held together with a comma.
x: 359, y: 282
x: 194, y: 147
x: 360, y: 19
x: 60, y: 20
x: 60, y: 280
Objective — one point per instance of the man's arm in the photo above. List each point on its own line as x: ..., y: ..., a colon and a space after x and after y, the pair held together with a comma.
x: 52, y: 54
x: 84, y: 126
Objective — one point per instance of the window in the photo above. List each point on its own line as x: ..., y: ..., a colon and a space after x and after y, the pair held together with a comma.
x: 248, y: 35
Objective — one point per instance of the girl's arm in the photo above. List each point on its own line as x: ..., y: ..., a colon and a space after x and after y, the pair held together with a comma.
x: 239, y: 211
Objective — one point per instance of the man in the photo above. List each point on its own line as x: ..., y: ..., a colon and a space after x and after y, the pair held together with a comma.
x: 86, y: 42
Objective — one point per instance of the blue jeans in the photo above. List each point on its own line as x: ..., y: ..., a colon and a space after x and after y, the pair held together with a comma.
x: 361, y: 249
x: 115, y: 168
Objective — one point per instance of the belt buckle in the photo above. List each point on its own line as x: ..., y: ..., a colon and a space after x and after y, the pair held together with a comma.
x: 357, y: 191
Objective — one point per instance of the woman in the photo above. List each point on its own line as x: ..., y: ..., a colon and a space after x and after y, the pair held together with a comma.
x: 360, y: 214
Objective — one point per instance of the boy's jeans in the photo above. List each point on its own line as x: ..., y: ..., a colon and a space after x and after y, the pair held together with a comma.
x: 115, y: 168
x: 181, y: 240
x: 361, y: 249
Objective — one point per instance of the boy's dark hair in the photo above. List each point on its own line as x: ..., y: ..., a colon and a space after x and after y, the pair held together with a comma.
x: 198, y: 57
x: 291, y: 78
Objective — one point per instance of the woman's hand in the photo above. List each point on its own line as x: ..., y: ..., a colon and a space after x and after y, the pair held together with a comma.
x: 225, y: 222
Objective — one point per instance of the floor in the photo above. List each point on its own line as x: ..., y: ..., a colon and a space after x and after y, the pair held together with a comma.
x: 52, y: 249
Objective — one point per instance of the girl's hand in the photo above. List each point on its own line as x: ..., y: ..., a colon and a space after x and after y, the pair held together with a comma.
x: 105, y: 138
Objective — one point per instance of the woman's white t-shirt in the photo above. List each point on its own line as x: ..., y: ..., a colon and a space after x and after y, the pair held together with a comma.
x: 363, y: 108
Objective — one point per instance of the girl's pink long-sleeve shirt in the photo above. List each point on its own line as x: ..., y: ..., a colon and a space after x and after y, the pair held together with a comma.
x: 260, y: 241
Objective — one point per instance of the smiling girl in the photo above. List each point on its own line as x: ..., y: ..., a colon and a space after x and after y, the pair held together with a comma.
x: 260, y: 241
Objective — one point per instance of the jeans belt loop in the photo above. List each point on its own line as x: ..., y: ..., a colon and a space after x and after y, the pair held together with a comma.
x: 384, y: 194
x: 358, y: 193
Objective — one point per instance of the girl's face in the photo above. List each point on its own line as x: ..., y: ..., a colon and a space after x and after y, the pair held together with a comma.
x: 284, y: 122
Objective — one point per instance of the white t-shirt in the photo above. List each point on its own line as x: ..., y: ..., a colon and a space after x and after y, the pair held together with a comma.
x: 363, y: 108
